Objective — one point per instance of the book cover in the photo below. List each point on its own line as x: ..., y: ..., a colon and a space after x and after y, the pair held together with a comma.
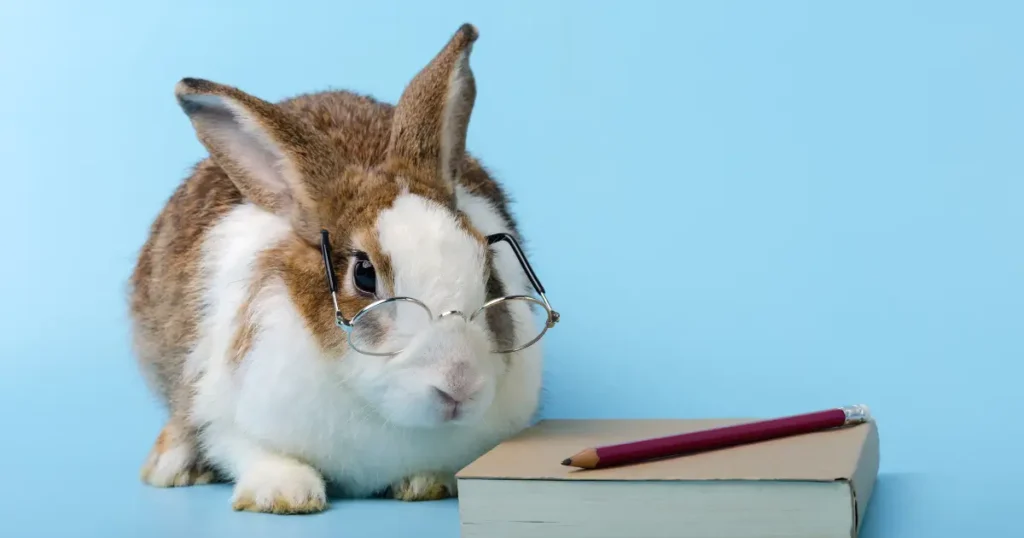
x: 847, y: 457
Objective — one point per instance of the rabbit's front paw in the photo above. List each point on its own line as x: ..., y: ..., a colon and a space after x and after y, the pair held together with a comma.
x: 425, y: 487
x: 280, y: 487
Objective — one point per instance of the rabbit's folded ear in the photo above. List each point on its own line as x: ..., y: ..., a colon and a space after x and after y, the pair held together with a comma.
x: 274, y: 161
x: 428, y: 131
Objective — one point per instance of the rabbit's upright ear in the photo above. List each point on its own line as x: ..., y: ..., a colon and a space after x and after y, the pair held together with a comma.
x: 275, y: 161
x: 428, y: 133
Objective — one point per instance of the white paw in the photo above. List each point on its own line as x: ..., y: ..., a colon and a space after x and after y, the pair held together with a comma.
x: 425, y: 487
x: 280, y: 487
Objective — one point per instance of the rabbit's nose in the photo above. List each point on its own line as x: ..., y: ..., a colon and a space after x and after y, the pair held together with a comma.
x: 456, y: 394
x: 446, y: 397
x: 460, y: 384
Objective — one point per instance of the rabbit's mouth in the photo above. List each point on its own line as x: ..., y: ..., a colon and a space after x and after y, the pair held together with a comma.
x: 447, y: 378
x: 451, y: 408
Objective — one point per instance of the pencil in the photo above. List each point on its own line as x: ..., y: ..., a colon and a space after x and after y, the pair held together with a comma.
x: 715, y: 438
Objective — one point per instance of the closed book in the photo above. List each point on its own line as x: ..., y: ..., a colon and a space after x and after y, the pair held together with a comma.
x: 815, y: 485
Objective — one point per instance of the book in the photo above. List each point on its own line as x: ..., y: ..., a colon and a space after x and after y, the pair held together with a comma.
x: 815, y: 485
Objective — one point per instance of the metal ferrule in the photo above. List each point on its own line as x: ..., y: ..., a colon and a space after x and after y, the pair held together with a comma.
x: 856, y: 414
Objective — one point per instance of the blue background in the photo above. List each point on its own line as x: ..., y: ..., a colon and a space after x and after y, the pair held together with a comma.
x: 740, y: 208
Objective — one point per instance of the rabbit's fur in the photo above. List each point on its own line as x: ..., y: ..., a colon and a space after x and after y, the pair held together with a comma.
x: 234, y: 325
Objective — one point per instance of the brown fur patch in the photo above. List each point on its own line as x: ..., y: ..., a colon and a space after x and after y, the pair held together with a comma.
x: 499, y: 319
x: 381, y: 261
x: 428, y: 137
x: 163, y: 441
x: 176, y: 472
x: 166, y: 284
x: 247, y: 326
x: 242, y: 342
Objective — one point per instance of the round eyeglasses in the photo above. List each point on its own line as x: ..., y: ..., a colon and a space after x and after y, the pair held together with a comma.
x: 386, y: 326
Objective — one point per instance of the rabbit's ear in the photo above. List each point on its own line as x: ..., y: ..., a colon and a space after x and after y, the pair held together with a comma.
x: 273, y: 160
x: 428, y: 132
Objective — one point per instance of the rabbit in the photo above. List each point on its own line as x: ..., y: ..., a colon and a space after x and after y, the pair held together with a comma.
x: 306, y: 212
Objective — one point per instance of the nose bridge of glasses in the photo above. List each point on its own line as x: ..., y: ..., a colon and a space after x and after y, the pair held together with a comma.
x: 453, y: 313
x: 415, y: 308
x: 519, y: 339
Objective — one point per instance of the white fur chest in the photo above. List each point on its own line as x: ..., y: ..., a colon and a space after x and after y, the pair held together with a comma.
x: 297, y: 402
x: 288, y: 398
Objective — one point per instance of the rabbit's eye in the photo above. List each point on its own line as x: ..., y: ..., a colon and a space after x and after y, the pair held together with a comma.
x: 363, y: 275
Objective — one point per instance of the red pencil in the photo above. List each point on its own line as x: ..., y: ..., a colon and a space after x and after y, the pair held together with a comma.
x: 715, y: 438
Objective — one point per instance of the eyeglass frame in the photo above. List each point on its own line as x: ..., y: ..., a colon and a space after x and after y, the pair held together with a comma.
x: 348, y: 324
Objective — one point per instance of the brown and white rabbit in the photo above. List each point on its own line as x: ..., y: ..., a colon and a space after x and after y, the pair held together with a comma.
x: 236, y: 328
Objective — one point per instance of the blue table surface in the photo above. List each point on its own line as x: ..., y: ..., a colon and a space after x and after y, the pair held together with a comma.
x: 71, y: 470
x: 73, y: 439
x: 126, y: 509
x: 105, y: 501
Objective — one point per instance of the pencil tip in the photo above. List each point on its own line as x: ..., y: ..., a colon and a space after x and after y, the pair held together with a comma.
x: 567, y: 461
